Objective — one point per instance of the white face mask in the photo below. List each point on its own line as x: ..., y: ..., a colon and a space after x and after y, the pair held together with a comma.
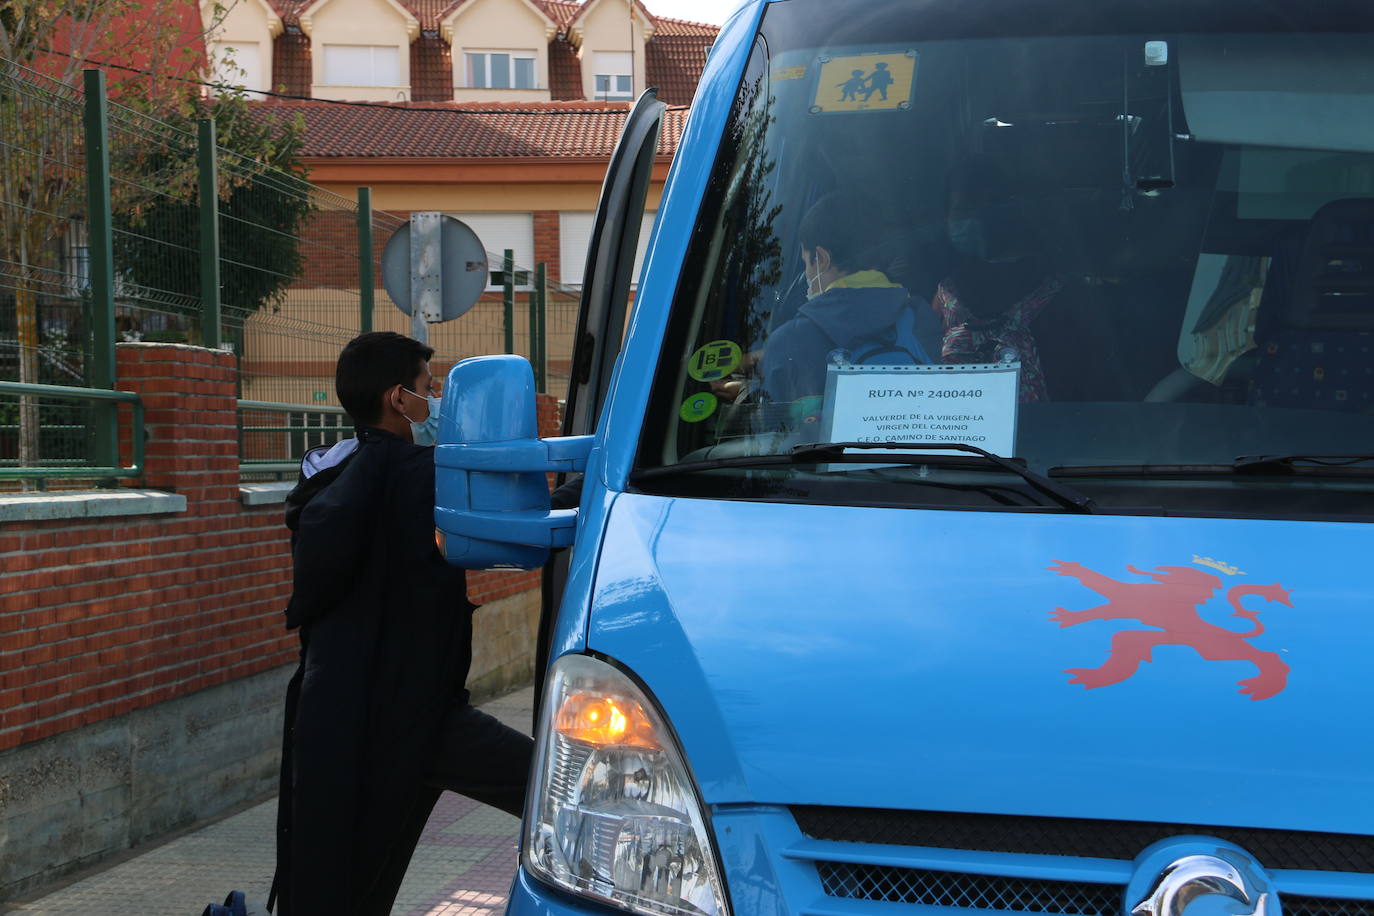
x: 813, y: 281
x: 426, y: 432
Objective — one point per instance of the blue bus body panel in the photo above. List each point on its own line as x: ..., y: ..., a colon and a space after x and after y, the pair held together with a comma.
x: 618, y: 431
x: 677, y: 214
x: 899, y: 658
x: 770, y: 870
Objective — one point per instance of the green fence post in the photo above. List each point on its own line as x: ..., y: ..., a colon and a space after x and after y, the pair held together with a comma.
x: 208, y: 167
x: 508, y: 296
x: 538, y: 342
x: 366, y: 281
x: 100, y: 226
x: 532, y: 301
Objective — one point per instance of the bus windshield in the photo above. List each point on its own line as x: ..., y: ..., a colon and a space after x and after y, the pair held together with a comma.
x: 1143, y: 263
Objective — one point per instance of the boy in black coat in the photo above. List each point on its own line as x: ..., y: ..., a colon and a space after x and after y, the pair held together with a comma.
x: 377, y: 717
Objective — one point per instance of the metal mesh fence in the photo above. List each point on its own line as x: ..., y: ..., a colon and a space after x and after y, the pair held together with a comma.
x: 62, y: 438
x: 44, y: 279
x: 289, y: 277
x: 483, y: 329
x: 302, y: 242
x: 560, y: 327
x: 155, y: 234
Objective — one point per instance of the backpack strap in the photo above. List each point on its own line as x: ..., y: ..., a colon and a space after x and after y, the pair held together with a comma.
x: 898, y: 345
x: 898, y: 340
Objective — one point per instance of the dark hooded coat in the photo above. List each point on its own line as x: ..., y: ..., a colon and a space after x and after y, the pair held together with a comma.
x: 386, y: 634
x: 794, y: 363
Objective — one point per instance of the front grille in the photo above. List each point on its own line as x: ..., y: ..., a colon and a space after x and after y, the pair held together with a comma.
x: 1325, y: 906
x: 924, y: 886
x: 1063, y: 836
x: 983, y: 892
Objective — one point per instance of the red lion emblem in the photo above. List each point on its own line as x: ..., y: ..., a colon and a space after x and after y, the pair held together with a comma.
x: 1170, y: 603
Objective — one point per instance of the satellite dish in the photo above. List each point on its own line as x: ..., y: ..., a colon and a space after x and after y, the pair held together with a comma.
x: 437, y: 261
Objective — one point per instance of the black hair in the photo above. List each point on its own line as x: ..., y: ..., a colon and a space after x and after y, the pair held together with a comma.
x: 842, y: 227
x: 369, y: 365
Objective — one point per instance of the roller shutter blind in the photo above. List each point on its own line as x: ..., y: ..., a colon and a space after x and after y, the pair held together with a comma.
x: 575, y: 234
x: 499, y: 231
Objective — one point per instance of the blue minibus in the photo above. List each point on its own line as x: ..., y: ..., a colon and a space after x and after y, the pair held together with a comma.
x: 975, y: 499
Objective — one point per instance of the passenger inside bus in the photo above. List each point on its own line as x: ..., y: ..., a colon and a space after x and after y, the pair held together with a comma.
x: 1182, y: 279
x: 1000, y: 283
x: 852, y: 306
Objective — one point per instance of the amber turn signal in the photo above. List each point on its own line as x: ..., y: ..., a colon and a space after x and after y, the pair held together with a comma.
x: 605, y: 721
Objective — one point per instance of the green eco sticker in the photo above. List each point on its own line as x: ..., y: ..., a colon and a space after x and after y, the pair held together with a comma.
x: 714, y: 361
x: 698, y: 407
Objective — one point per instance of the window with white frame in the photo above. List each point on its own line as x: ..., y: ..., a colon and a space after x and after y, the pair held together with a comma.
x: 238, y: 64
x: 499, y: 231
x: 614, y: 75
x: 575, y: 238
x: 500, y: 70
x: 362, y: 65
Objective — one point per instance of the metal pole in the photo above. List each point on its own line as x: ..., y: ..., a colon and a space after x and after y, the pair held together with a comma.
x: 538, y: 342
x: 208, y: 166
x: 508, y: 296
x: 532, y: 300
x: 366, y: 282
x: 100, y: 226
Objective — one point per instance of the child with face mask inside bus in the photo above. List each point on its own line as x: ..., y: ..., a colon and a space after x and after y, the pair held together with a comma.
x: 377, y: 716
x: 852, y: 305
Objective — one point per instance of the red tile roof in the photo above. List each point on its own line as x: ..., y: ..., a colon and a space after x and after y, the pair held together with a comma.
x: 446, y: 8
x: 582, y: 8
x: 565, y: 71
x: 289, y: 10
x: 674, y: 64
x: 291, y: 64
x: 467, y: 130
x: 675, y: 55
x: 673, y: 28
x: 431, y: 69
x: 560, y: 11
x: 431, y: 12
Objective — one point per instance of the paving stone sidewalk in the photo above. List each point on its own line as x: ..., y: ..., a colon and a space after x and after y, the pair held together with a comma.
x: 462, y: 867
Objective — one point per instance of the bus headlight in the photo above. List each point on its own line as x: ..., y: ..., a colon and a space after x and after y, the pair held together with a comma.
x: 613, y: 812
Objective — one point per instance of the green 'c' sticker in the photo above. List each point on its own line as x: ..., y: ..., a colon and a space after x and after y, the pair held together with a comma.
x: 698, y: 407
x: 714, y: 361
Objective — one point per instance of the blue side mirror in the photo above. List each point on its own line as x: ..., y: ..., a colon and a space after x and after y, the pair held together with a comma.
x: 491, y: 498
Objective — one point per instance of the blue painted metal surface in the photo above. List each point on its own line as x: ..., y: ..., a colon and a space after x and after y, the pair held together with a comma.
x: 557, y: 455
x: 753, y: 642
x: 770, y: 870
x: 618, y: 433
x: 491, y: 495
x: 530, y: 898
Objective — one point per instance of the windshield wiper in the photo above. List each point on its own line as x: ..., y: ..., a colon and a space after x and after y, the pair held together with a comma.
x: 832, y: 451
x: 1307, y: 465
x: 1293, y: 463
x: 839, y: 453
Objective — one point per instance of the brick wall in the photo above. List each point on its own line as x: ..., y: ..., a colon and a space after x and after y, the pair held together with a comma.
x: 329, y: 244
x: 546, y: 239
x: 101, y: 617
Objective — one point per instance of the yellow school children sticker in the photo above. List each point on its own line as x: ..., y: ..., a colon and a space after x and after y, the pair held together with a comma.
x: 866, y: 82
x: 714, y: 361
